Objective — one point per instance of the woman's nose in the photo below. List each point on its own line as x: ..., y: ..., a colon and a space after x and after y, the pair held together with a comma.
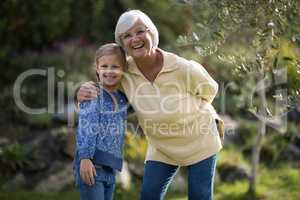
x: 135, y: 37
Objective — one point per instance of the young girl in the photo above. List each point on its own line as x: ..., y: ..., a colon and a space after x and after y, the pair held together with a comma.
x: 101, y: 128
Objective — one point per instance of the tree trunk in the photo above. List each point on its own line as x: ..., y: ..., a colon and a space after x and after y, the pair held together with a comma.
x: 259, y: 139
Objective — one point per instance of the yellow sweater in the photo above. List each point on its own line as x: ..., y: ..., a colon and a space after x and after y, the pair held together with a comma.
x: 175, y: 110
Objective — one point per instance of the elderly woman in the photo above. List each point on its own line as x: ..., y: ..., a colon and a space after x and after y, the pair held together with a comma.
x: 172, y: 98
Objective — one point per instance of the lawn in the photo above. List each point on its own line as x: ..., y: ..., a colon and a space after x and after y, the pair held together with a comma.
x: 275, y: 183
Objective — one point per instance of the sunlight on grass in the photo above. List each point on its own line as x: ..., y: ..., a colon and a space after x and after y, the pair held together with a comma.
x: 280, y: 182
x: 231, y: 191
x: 232, y: 156
x: 178, y: 198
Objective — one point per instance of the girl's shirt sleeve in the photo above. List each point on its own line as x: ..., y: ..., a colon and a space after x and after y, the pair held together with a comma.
x: 202, y: 84
x: 88, y: 127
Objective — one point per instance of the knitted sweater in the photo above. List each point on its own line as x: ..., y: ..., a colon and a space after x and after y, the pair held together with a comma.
x: 101, y: 129
x: 175, y: 110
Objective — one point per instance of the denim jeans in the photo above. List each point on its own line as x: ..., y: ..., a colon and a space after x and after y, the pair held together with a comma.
x: 158, y: 176
x: 103, y: 188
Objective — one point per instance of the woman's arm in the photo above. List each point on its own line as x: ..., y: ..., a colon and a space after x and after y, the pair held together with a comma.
x: 201, y: 83
x: 204, y: 86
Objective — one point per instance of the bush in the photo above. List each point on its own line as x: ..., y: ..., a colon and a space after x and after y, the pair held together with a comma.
x: 13, y: 157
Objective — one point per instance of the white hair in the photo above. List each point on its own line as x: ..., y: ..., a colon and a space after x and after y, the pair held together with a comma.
x: 128, y: 19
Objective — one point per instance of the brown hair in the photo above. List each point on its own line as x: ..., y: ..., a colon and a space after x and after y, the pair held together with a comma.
x: 110, y: 49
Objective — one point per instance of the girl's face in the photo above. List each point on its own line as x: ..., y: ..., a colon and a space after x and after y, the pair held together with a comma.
x: 137, y: 41
x: 110, y: 69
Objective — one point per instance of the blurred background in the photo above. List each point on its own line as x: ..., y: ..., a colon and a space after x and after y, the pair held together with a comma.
x: 251, y: 48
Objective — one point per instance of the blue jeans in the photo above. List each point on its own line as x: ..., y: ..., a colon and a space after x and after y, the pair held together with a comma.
x: 158, y: 176
x: 101, y: 190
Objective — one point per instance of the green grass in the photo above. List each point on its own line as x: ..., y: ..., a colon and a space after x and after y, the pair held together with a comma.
x: 274, y: 183
x: 278, y: 182
x: 22, y: 195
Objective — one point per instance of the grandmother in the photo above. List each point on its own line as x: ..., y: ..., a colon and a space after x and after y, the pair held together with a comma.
x: 172, y: 99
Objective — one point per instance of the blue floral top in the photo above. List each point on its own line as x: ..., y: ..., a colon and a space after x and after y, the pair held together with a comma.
x: 101, y: 132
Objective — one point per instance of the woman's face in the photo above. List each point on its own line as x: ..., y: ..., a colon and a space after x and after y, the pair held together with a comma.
x: 137, y: 41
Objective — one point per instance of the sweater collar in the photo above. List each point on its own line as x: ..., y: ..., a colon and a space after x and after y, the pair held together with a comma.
x: 169, y: 63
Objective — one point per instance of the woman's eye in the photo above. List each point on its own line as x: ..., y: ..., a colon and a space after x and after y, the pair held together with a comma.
x: 126, y: 36
x: 104, y: 66
x: 140, y: 32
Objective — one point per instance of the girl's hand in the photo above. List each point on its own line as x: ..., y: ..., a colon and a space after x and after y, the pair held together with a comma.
x: 87, y: 91
x: 87, y: 171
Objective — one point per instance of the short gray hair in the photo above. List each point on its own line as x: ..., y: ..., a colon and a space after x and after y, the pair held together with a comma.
x: 128, y: 19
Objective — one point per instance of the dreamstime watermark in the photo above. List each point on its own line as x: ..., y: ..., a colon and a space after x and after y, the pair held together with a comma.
x: 192, y: 92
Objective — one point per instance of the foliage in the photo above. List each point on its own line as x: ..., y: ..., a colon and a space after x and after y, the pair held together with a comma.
x: 13, y: 157
x: 32, y: 23
x: 39, y: 24
x: 266, y: 63
x: 131, y: 193
x: 135, y: 147
x: 269, y: 33
x: 64, y: 35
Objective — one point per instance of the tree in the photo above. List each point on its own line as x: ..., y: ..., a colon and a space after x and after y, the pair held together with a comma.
x: 266, y: 29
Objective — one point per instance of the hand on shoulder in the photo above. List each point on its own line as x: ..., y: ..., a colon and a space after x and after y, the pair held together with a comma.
x: 87, y: 91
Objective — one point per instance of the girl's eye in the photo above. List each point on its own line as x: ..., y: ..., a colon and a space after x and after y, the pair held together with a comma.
x: 115, y: 67
x: 104, y: 66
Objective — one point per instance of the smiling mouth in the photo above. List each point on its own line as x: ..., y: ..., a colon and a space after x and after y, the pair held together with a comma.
x: 138, y: 46
x: 109, y: 76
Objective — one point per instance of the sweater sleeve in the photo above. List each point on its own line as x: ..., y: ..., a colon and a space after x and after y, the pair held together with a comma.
x: 88, y: 127
x: 202, y: 84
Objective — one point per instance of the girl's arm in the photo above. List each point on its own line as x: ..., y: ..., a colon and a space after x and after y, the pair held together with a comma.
x: 86, y: 139
x: 88, y: 127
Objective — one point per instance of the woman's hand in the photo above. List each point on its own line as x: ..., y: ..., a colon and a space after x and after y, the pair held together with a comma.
x: 87, y: 171
x: 87, y: 91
